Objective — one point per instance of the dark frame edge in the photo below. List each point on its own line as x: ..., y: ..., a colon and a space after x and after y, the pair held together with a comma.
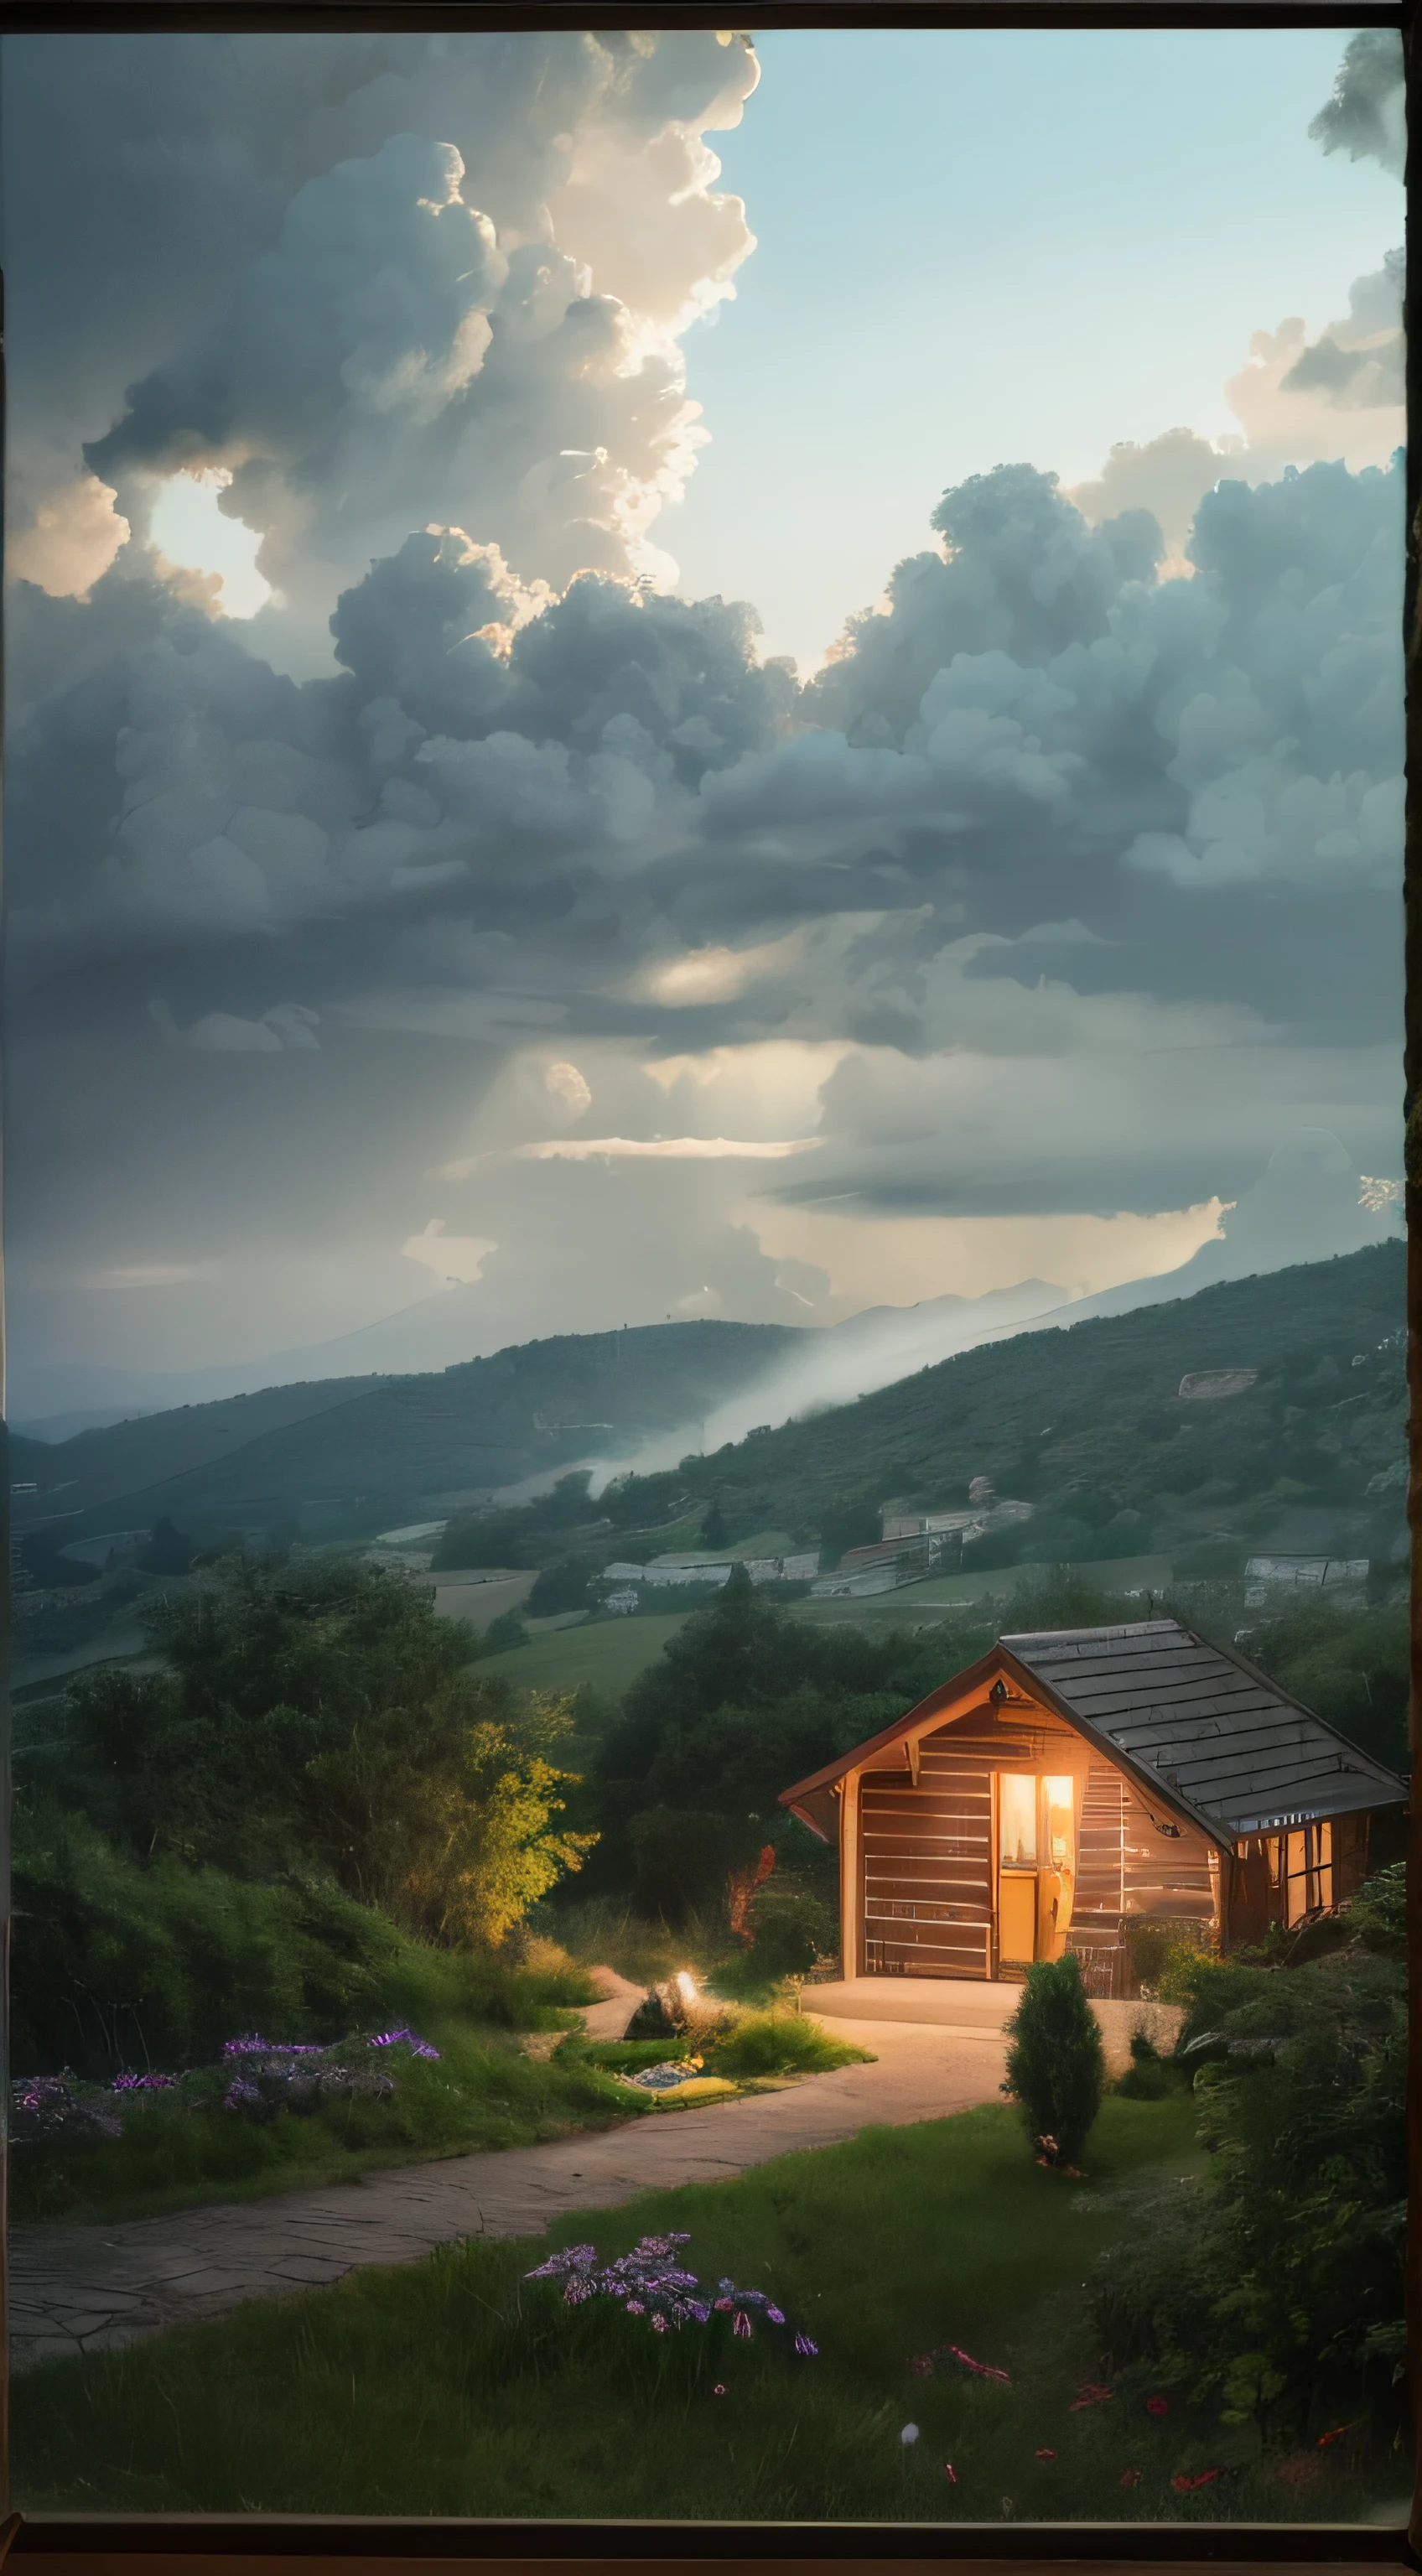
x: 79, y: 2540
x: 74, y: 2537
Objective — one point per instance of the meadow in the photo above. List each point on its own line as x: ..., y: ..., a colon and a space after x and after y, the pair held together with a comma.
x: 459, y: 2386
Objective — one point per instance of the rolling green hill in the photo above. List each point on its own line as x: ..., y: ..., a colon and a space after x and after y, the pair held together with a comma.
x: 351, y: 1456
x: 1089, y: 1426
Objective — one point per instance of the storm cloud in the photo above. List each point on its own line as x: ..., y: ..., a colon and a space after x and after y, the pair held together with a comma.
x: 536, y: 909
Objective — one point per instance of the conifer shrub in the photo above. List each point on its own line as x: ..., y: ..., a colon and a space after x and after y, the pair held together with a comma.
x: 1056, y: 2068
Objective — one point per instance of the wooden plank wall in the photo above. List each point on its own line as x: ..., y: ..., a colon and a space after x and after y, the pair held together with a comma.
x: 928, y: 1868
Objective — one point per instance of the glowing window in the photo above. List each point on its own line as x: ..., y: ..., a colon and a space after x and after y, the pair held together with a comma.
x: 1017, y: 1819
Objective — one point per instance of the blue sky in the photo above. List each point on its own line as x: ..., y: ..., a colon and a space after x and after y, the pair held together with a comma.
x: 978, y: 246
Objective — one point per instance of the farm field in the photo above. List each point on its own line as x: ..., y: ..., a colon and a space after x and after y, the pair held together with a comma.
x: 457, y: 2386
x: 608, y: 1654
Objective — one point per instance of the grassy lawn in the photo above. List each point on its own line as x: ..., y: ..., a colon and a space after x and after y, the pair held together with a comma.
x: 455, y: 2386
x: 609, y: 1654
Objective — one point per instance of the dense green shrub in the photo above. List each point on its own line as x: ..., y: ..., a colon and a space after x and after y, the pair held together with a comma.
x: 682, y: 1858
x: 118, y: 1962
x: 779, y: 2043
x: 789, y: 1930
x: 1055, y: 2064
x: 561, y: 1586
x: 1274, y: 2288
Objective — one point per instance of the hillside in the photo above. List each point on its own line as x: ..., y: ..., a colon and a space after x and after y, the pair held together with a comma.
x: 1089, y: 1426
x: 360, y: 1454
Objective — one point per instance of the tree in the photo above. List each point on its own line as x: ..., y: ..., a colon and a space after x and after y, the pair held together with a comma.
x: 713, y: 1528
x: 1055, y: 2064
x: 320, y: 1716
x: 167, y: 1551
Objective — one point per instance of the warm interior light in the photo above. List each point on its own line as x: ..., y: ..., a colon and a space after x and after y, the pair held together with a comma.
x: 686, y: 1985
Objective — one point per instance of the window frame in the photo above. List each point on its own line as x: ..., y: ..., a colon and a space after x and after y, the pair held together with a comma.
x: 72, y: 2544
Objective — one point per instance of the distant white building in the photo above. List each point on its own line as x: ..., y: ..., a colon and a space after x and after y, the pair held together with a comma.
x: 621, y: 1604
x: 669, y: 1572
x: 1307, y: 1573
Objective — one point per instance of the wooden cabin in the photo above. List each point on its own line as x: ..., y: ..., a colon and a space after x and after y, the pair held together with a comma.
x: 1075, y: 1783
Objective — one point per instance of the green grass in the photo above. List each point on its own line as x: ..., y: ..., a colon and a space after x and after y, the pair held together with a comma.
x: 454, y: 2386
x: 608, y: 1654
x: 178, y: 2151
x: 759, y: 2044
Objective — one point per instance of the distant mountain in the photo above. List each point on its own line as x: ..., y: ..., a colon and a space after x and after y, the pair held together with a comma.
x: 365, y: 1453
x: 52, y: 1400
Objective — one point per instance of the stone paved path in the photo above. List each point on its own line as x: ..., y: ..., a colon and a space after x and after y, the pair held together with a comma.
x: 89, y: 2289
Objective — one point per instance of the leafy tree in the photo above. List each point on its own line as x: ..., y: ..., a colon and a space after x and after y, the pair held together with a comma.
x: 563, y: 1585
x: 1055, y: 2064
x: 1349, y: 1665
x: 321, y: 1716
x: 167, y: 1551
x: 713, y: 1528
x: 857, y: 1523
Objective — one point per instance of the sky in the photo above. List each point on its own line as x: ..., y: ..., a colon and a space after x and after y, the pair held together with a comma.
x: 431, y: 458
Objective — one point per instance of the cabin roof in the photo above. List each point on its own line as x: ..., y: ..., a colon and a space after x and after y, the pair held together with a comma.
x: 1197, y: 1727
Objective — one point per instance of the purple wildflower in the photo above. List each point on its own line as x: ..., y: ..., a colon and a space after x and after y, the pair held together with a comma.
x: 403, y: 2037
x: 806, y: 2347
x: 239, y: 2094
x: 649, y: 2282
x: 144, y: 2083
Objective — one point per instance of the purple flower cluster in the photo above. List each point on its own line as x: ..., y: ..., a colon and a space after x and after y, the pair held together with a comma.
x: 253, y: 2045
x: 240, y: 2095
x: 144, y: 2083
x: 53, y: 2106
x: 651, y: 2282
x: 408, y: 2038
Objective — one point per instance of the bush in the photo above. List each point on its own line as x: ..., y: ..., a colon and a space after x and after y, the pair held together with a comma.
x: 789, y: 1932
x: 1272, y: 2290
x: 1148, y: 2078
x: 1164, y: 1954
x: 1055, y: 2065
x: 561, y: 1586
x: 779, y: 2043
x: 122, y: 1963
x: 682, y: 1859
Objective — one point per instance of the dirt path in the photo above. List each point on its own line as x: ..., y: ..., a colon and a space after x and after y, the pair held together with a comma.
x: 90, y: 2289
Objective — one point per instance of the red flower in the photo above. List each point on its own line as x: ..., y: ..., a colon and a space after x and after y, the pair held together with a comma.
x: 1157, y: 2406
x: 1089, y: 2394
x: 1336, y: 2435
x: 1132, y: 2477
x: 720, y: 2388
x: 1187, y: 2486
x: 950, y: 2473
x: 1044, y: 2455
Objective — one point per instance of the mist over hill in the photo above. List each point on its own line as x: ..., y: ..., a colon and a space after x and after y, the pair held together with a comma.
x: 1087, y: 1424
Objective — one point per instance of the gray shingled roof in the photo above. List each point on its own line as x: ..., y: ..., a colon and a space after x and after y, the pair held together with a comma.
x: 1223, y: 1741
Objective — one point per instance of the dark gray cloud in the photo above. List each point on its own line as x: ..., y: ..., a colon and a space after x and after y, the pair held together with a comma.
x: 1066, y: 885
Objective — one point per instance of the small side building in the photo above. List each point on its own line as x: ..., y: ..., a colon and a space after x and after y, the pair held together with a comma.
x: 1078, y: 1782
